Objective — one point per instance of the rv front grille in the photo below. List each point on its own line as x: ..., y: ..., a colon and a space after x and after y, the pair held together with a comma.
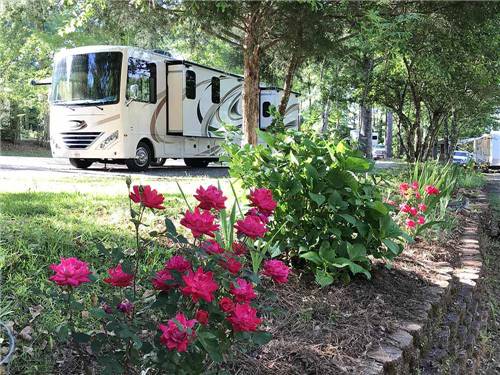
x: 79, y: 140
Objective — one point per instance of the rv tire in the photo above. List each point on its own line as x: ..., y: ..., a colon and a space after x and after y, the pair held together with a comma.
x: 142, y: 160
x: 158, y: 162
x: 80, y: 163
x: 196, y: 163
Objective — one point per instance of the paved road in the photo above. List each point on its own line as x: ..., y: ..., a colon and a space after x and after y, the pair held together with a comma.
x: 18, y: 174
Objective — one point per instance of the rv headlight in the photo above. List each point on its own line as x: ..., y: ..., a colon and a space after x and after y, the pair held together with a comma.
x: 109, y: 140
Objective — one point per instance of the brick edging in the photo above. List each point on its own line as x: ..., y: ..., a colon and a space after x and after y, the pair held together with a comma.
x: 442, y: 336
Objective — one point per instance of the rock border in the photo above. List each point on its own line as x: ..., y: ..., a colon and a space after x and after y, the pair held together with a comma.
x: 442, y: 337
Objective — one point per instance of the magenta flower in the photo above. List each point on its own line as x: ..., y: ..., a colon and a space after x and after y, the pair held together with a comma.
x: 277, y: 270
x: 178, y: 263
x: 200, y: 223
x: 199, y: 284
x: 244, y: 318
x: 177, y: 333
x: 210, y: 197
x: 71, y: 272
x: 149, y: 198
x: 119, y: 278
x: 263, y: 200
x: 251, y: 226
x: 242, y: 291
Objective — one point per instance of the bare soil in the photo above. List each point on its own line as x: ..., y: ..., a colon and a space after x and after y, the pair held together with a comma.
x: 330, y: 330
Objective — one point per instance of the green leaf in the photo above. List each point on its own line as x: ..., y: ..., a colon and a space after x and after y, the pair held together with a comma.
x: 171, y: 229
x: 81, y: 337
x: 356, y: 251
x: 261, y: 338
x: 312, y: 256
x: 317, y: 198
x: 323, y: 278
x: 357, y: 164
x: 211, y: 345
x: 293, y: 158
x: 349, y: 218
x: 326, y: 252
x: 353, y: 267
x: 392, y: 246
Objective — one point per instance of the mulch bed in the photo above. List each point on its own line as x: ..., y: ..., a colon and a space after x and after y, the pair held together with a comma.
x: 330, y: 330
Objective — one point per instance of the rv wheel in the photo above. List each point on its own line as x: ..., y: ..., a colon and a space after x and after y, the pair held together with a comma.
x: 196, y: 163
x: 142, y: 160
x: 80, y: 163
x: 158, y: 162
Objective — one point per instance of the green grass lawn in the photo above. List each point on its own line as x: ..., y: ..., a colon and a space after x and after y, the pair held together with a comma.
x: 36, y: 230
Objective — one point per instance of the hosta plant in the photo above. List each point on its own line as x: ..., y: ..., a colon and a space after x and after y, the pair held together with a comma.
x: 189, y: 311
x: 330, y: 216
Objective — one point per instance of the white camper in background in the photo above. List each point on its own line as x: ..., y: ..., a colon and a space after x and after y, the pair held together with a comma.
x: 128, y: 105
x: 487, y: 150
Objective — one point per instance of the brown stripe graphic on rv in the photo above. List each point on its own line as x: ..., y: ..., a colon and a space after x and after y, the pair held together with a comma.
x: 108, y: 119
x: 152, y: 123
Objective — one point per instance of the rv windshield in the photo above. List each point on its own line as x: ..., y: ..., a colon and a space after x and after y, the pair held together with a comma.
x: 87, y: 79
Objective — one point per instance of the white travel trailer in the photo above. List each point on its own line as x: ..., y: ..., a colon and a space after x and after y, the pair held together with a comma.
x: 128, y: 105
x: 487, y: 150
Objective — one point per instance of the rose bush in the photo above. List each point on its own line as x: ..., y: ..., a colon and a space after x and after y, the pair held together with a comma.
x: 203, y: 301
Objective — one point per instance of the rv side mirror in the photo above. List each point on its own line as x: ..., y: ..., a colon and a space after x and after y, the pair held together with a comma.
x: 133, y: 93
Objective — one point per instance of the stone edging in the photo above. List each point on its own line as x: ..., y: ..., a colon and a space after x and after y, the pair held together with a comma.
x: 441, y: 338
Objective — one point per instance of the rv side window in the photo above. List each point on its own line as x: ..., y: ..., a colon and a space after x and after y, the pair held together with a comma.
x: 142, y: 76
x: 215, y: 90
x: 265, y: 109
x: 190, y: 84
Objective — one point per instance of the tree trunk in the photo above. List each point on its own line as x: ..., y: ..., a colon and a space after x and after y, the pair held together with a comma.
x: 454, y: 135
x: 287, y: 87
x: 388, y: 134
x: 250, y: 96
x: 365, y: 135
x: 325, y: 115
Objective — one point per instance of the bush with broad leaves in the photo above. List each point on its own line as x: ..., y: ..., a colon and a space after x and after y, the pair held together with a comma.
x: 330, y: 216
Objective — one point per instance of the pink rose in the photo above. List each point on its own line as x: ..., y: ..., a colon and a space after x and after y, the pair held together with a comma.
x: 70, y: 271
x: 226, y: 304
x: 244, y: 318
x: 251, y: 226
x: 200, y: 223
x: 260, y: 215
x: 177, y: 333
x: 212, y: 247
x: 421, y: 220
x: 119, y: 278
x: 231, y: 264
x: 422, y: 207
x: 242, y: 291
x: 147, y: 197
x: 413, y: 211
x: 202, y: 317
x: 199, y: 284
x: 178, y: 263
x: 414, y: 185
x: 277, y: 270
x: 210, y: 197
x: 263, y: 200
x: 163, y: 280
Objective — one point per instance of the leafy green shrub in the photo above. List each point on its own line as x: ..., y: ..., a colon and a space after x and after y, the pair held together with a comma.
x: 329, y: 212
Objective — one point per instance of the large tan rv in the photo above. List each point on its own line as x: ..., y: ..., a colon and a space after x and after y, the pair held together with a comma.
x: 128, y: 105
